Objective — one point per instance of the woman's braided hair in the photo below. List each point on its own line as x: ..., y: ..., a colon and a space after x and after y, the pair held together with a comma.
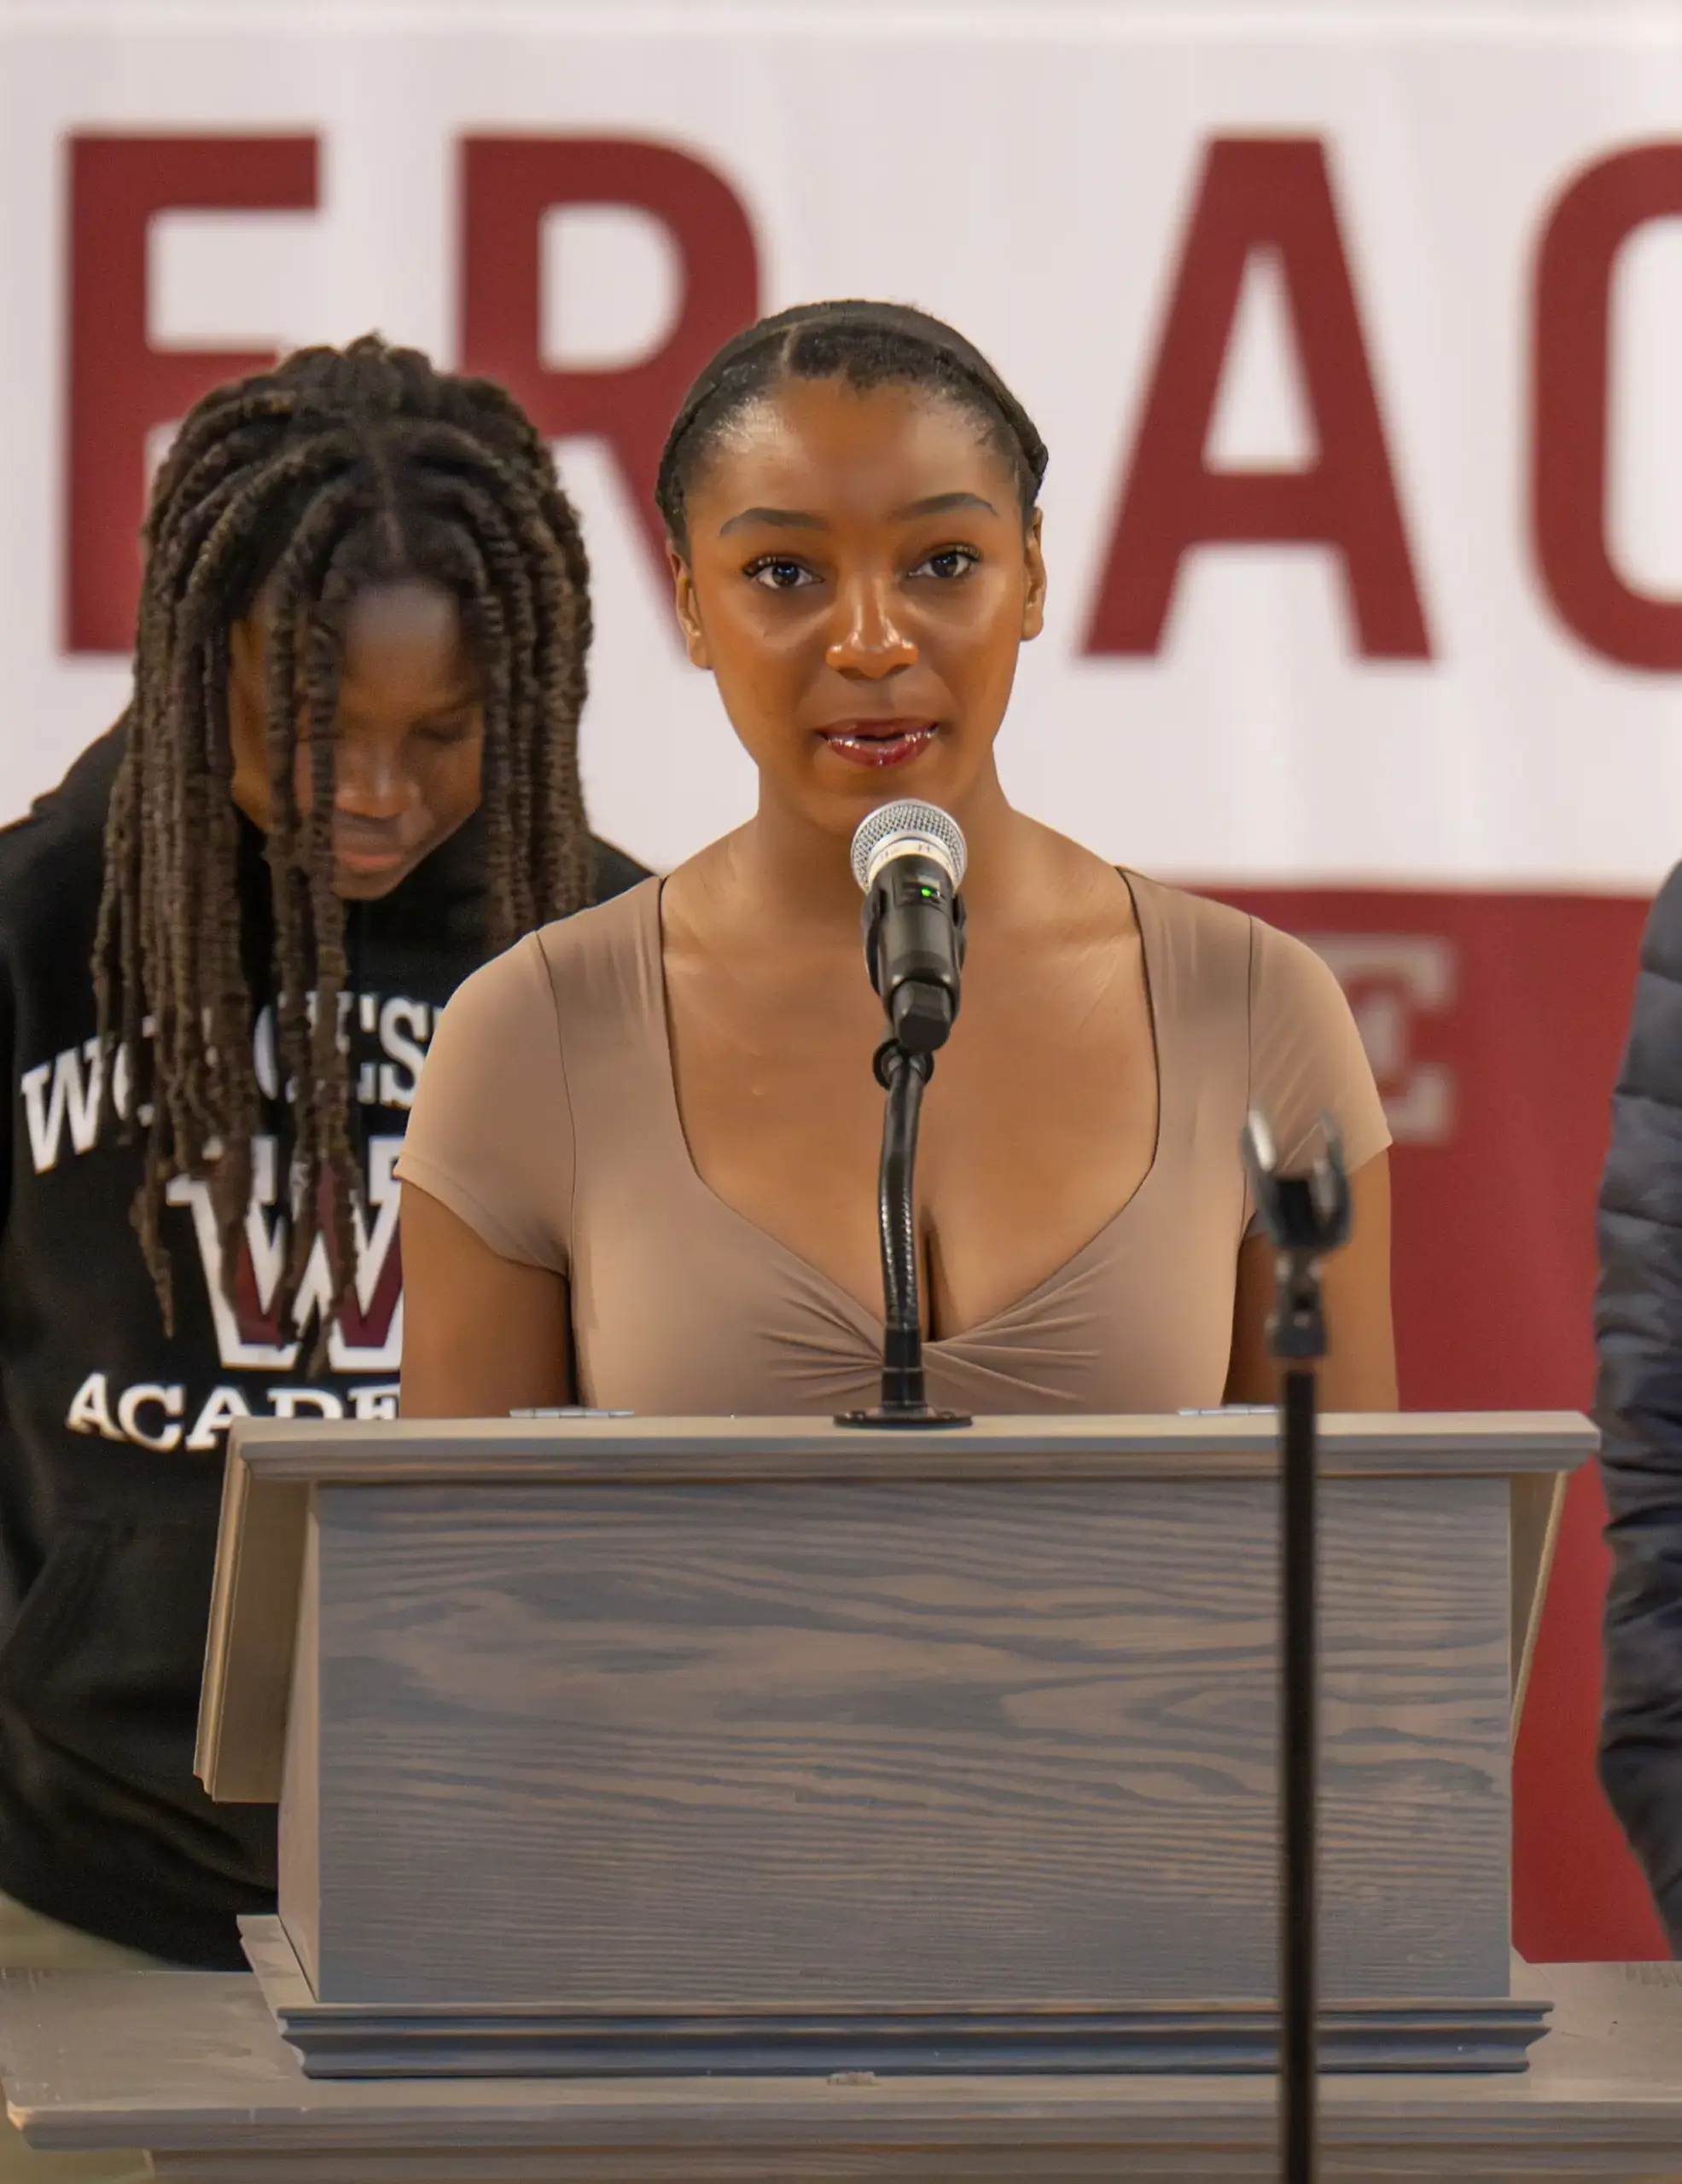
x: 866, y: 345
x: 336, y: 470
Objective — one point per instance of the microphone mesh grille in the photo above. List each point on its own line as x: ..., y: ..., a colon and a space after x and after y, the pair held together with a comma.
x: 907, y: 817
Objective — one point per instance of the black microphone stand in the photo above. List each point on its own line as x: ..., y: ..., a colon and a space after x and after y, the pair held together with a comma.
x: 1306, y: 1216
x: 902, y: 1072
x: 921, y: 1008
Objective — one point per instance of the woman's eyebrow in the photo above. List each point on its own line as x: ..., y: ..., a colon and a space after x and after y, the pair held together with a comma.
x: 804, y: 519
x: 779, y: 518
x: 940, y: 503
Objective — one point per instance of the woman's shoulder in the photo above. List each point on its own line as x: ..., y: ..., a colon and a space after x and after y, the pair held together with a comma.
x: 1265, y: 995
x: 1199, y: 953
x: 1265, y: 963
x: 1179, y: 911
x: 522, y: 991
x: 608, y: 950
x: 607, y: 923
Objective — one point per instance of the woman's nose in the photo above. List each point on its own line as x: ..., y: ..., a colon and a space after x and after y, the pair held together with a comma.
x: 368, y: 781
x: 869, y: 641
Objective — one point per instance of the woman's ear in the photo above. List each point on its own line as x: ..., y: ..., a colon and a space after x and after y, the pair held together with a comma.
x: 688, y: 612
x: 1034, y: 598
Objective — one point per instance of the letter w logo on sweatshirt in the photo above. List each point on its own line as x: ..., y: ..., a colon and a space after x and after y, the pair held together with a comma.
x: 66, y: 1089
x: 368, y: 1337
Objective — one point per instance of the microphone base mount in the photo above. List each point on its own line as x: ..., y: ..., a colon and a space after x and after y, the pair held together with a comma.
x: 899, y: 1416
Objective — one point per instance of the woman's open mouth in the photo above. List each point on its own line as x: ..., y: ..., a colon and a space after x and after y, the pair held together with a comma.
x: 879, y: 742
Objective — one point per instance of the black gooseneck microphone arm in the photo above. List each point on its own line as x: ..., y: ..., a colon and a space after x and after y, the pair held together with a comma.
x: 921, y: 1011
x: 903, y: 1075
x: 1306, y: 1216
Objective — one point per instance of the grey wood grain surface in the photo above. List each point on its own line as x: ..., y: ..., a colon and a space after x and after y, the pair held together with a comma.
x: 248, y: 1652
x: 1538, y: 1509
x: 406, y: 2039
x: 300, y: 1844
x: 811, y: 1747
x: 190, y: 2064
x: 684, y: 1450
x: 272, y: 1463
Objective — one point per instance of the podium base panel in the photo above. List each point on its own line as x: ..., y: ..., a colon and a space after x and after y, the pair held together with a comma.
x: 385, y: 2039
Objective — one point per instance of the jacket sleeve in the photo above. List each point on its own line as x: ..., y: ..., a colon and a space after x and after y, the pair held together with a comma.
x: 1638, y: 1408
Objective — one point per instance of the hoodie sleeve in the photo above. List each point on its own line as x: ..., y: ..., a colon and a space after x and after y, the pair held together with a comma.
x: 1638, y: 1407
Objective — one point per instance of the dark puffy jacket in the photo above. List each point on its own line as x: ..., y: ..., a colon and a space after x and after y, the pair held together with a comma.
x: 1638, y: 1333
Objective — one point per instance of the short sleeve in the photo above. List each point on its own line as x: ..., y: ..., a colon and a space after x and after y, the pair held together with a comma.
x: 491, y: 1134
x: 1306, y: 1058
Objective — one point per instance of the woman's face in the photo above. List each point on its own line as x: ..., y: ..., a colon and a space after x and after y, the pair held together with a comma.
x: 858, y: 580
x: 408, y: 738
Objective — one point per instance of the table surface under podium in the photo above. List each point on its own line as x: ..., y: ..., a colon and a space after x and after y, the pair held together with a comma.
x: 188, y: 2065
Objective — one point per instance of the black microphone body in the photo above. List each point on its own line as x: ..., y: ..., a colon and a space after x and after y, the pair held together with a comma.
x: 914, y: 938
x: 909, y: 858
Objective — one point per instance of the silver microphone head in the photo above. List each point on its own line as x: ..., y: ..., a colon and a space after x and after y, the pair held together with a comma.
x: 909, y: 827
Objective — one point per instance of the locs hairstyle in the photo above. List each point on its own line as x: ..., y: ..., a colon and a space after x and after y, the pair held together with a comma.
x: 336, y: 470
x: 866, y: 345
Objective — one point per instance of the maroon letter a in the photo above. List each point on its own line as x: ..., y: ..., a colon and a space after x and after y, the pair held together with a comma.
x: 1260, y: 193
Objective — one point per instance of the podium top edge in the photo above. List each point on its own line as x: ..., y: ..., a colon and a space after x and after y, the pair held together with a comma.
x: 274, y: 1465
x: 632, y: 1451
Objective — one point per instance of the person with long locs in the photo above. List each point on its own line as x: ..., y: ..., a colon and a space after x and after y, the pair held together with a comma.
x: 641, y: 1170
x: 347, y: 776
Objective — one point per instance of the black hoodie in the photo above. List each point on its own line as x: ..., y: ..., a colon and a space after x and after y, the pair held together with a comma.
x: 112, y: 1432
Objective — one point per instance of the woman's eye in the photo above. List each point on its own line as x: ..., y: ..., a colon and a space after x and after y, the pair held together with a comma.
x: 950, y: 561
x: 777, y: 574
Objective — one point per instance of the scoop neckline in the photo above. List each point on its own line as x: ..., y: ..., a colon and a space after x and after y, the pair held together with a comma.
x: 651, y: 934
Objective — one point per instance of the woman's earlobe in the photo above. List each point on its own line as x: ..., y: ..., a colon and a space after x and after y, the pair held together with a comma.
x: 695, y: 639
x: 1034, y: 601
x: 683, y: 602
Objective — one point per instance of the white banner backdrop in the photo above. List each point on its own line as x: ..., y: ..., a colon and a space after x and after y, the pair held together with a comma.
x: 1355, y: 329
x: 1452, y: 673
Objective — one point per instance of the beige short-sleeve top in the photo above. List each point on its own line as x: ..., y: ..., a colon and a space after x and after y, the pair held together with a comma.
x: 546, y: 1119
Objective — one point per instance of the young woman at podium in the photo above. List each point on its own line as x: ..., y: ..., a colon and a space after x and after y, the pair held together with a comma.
x: 641, y: 1174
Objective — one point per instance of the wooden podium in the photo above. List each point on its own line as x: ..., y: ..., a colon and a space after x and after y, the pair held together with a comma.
x: 765, y: 1748
x: 768, y: 1805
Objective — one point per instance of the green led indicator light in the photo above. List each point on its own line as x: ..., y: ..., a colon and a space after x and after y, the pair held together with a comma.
x: 930, y: 894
